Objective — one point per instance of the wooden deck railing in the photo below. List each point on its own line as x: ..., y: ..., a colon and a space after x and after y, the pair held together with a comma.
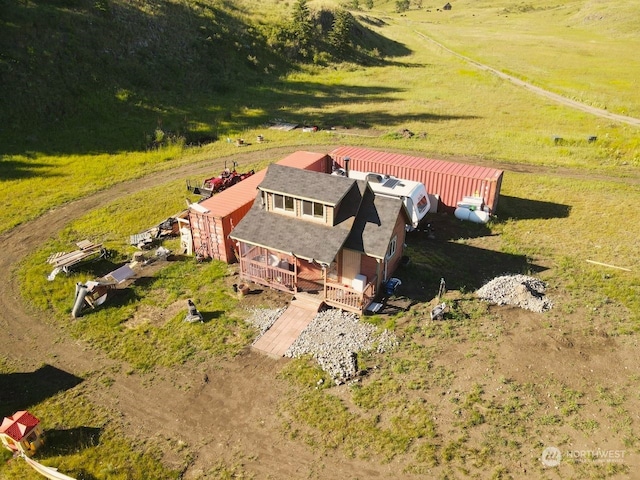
x: 335, y: 294
x: 263, y: 274
x: 347, y: 298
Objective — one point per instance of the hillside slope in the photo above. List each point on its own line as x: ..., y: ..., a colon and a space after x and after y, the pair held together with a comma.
x: 93, y: 63
x: 106, y: 74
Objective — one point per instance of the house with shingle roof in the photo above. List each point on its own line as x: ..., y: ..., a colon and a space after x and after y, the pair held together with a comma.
x: 314, y: 232
x: 21, y: 432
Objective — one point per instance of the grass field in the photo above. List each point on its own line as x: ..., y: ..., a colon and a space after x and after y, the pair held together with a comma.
x: 478, y: 396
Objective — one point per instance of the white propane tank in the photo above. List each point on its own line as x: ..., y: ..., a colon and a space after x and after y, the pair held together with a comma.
x: 477, y: 216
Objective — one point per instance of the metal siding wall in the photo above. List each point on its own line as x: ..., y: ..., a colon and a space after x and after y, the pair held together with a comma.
x: 451, y: 186
x: 228, y: 223
x: 226, y: 251
x: 212, y: 242
x: 322, y: 165
x: 195, y: 226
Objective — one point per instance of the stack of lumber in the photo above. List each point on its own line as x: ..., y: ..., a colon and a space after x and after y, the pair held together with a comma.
x: 85, y: 250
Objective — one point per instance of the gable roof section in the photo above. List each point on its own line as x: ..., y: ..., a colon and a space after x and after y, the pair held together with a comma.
x: 305, y: 239
x: 284, y: 233
x: 373, y: 227
x: 306, y: 184
x: 18, y: 425
x: 364, y: 222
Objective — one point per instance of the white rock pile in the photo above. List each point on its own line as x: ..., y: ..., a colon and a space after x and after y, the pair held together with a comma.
x: 263, y: 318
x: 518, y: 290
x: 334, y: 338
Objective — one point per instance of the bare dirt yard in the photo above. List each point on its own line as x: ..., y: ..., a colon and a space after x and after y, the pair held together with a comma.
x: 229, y: 410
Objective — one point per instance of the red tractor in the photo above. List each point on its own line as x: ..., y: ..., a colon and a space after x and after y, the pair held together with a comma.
x: 213, y: 185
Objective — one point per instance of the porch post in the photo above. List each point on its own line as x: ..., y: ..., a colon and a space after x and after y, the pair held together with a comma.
x: 324, y: 281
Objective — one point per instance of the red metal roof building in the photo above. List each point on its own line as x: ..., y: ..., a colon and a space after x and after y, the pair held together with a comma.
x: 451, y: 181
x: 212, y: 220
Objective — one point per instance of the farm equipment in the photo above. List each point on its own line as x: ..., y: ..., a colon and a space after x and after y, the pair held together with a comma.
x: 213, y: 185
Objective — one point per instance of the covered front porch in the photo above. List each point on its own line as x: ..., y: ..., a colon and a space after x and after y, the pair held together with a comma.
x: 288, y: 273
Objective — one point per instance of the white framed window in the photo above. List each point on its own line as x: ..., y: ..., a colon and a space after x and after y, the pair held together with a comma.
x: 391, y: 250
x: 422, y: 204
x: 313, y: 209
x: 289, y: 204
x: 283, y: 202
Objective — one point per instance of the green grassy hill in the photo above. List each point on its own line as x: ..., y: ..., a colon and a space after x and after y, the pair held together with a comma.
x: 104, y: 75
x: 111, y: 71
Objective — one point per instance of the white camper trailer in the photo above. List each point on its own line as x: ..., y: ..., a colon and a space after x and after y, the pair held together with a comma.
x: 413, y: 194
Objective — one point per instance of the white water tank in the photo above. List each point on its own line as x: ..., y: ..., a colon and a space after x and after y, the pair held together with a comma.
x: 472, y: 215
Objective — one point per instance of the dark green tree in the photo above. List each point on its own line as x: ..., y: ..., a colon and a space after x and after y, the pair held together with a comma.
x: 302, y: 28
x: 340, y: 34
x: 402, y: 5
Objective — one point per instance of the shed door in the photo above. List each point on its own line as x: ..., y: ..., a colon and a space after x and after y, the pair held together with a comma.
x: 350, y: 266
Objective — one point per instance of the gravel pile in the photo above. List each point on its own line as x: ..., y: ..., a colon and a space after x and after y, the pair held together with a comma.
x: 334, y: 338
x: 518, y: 290
x: 263, y: 318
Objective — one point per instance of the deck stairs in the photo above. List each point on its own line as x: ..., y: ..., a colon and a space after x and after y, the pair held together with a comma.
x: 286, y: 329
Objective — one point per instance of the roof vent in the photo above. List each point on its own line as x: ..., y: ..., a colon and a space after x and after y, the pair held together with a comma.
x: 375, y: 178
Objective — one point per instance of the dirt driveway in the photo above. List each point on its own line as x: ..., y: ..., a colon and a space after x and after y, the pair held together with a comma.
x: 224, y: 411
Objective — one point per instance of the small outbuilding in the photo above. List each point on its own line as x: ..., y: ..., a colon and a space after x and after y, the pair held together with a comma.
x: 447, y: 7
x: 21, y: 432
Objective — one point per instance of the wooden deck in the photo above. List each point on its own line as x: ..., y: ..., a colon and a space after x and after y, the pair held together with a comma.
x: 287, y: 328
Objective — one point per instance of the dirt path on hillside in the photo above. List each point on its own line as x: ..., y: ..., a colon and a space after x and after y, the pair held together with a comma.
x: 224, y: 411
x: 598, y: 112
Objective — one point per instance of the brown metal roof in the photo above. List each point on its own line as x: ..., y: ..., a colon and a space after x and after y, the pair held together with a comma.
x: 302, y: 159
x: 227, y: 201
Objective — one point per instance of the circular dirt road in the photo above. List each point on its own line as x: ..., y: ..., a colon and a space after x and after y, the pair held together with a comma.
x: 223, y: 411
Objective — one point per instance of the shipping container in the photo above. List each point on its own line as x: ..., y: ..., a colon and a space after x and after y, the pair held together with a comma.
x: 212, y: 220
x: 316, y: 162
x: 450, y: 181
